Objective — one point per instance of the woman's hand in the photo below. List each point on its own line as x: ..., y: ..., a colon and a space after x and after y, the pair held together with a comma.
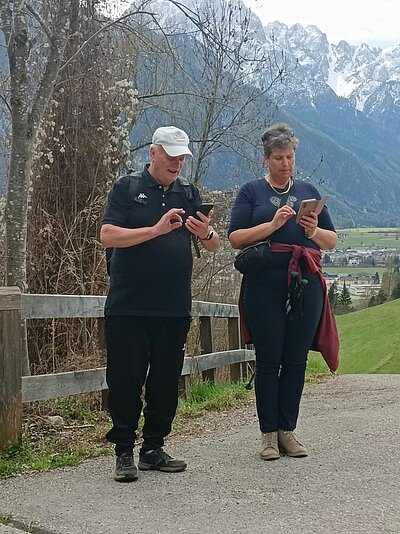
x: 245, y: 236
x: 325, y: 239
x: 282, y: 215
x: 309, y: 223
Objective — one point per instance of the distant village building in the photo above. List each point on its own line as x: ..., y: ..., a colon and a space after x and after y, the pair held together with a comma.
x: 362, y: 285
x: 364, y: 290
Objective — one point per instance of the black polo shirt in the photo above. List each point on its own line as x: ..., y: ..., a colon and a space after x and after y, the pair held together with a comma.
x: 152, y: 278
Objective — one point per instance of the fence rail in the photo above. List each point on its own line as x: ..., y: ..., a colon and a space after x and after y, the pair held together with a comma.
x: 16, y: 389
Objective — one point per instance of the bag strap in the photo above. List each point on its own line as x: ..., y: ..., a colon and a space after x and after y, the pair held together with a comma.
x: 188, y: 189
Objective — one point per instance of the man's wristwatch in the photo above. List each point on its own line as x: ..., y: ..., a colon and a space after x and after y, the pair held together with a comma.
x: 208, y: 236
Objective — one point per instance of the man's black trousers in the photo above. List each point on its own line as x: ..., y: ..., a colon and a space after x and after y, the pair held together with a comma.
x: 143, y: 351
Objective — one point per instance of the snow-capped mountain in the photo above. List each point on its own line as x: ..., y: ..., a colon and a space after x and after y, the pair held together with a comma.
x: 368, y: 77
x: 342, y: 100
x: 350, y: 95
x: 203, y: 60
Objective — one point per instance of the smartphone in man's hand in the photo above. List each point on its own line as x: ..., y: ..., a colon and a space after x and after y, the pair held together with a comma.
x: 205, y: 208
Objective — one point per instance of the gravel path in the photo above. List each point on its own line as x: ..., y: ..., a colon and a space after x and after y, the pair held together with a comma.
x: 349, y: 483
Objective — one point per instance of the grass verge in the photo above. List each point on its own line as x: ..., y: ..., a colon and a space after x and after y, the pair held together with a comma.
x: 67, y: 431
x: 64, y: 432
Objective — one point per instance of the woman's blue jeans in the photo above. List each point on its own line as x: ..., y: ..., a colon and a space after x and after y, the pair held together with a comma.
x: 281, y: 345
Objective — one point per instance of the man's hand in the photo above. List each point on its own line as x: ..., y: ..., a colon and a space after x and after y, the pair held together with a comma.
x: 169, y: 221
x: 116, y: 236
x: 199, y: 226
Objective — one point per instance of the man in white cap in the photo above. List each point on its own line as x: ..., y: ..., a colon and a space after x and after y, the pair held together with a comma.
x: 173, y: 140
x: 148, y: 306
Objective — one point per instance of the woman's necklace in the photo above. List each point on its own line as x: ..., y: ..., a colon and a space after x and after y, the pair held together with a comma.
x: 289, y: 185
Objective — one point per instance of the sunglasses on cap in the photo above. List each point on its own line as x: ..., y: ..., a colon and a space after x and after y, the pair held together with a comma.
x: 277, y: 133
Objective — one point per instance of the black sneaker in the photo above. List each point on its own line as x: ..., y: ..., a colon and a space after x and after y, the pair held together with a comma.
x: 125, y: 470
x: 161, y: 461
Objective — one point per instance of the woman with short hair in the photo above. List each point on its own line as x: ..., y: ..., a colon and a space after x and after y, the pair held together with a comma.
x: 282, y: 336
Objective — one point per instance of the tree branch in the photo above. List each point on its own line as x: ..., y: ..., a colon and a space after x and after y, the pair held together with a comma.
x: 42, y: 23
x: 52, y: 69
x: 6, y: 19
x: 3, y: 98
x: 101, y: 30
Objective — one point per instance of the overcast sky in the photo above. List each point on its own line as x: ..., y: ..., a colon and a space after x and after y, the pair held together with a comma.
x: 375, y: 22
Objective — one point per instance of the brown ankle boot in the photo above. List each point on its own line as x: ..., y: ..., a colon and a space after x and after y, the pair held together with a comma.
x: 290, y: 445
x: 269, y: 446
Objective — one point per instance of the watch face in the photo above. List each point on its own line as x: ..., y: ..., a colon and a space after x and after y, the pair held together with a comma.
x: 210, y: 234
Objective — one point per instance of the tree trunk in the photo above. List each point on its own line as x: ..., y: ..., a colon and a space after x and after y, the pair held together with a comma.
x: 26, y: 115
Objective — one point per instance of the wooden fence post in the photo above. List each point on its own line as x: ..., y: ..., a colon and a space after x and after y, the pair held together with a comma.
x: 235, y: 369
x: 10, y: 367
x: 207, y: 343
x: 183, y: 386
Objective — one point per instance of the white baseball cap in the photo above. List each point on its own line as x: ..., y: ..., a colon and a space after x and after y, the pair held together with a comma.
x: 173, y: 140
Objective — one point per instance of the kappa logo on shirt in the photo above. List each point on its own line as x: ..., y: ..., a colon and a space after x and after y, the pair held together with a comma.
x: 141, y: 198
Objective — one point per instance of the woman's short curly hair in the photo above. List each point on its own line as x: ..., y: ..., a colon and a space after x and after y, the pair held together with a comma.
x: 278, y: 136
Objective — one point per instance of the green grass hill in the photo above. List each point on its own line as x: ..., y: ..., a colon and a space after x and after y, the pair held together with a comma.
x: 369, y: 341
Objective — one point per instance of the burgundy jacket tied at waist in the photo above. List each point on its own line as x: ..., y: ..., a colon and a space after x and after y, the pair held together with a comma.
x: 326, y: 339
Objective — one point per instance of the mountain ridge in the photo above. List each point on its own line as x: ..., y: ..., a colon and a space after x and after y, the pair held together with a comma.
x: 342, y: 100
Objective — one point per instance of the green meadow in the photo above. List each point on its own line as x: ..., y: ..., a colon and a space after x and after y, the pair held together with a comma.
x: 361, y: 237
x: 369, y: 341
x: 356, y: 269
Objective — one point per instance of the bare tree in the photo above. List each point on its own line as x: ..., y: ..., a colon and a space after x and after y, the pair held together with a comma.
x: 216, y: 83
x: 207, y: 85
x: 29, y: 99
x: 228, y: 63
x: 80, y: 149
x: 28, y: 102
x: 218, y: 103
x: 42, y: 40
x: 55, y: 79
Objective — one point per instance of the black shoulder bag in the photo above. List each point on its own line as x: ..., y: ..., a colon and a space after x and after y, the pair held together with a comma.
x: 257, y: 256
x: 254, y: 258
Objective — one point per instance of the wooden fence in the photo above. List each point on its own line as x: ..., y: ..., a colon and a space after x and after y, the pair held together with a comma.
x: 16, y: 389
